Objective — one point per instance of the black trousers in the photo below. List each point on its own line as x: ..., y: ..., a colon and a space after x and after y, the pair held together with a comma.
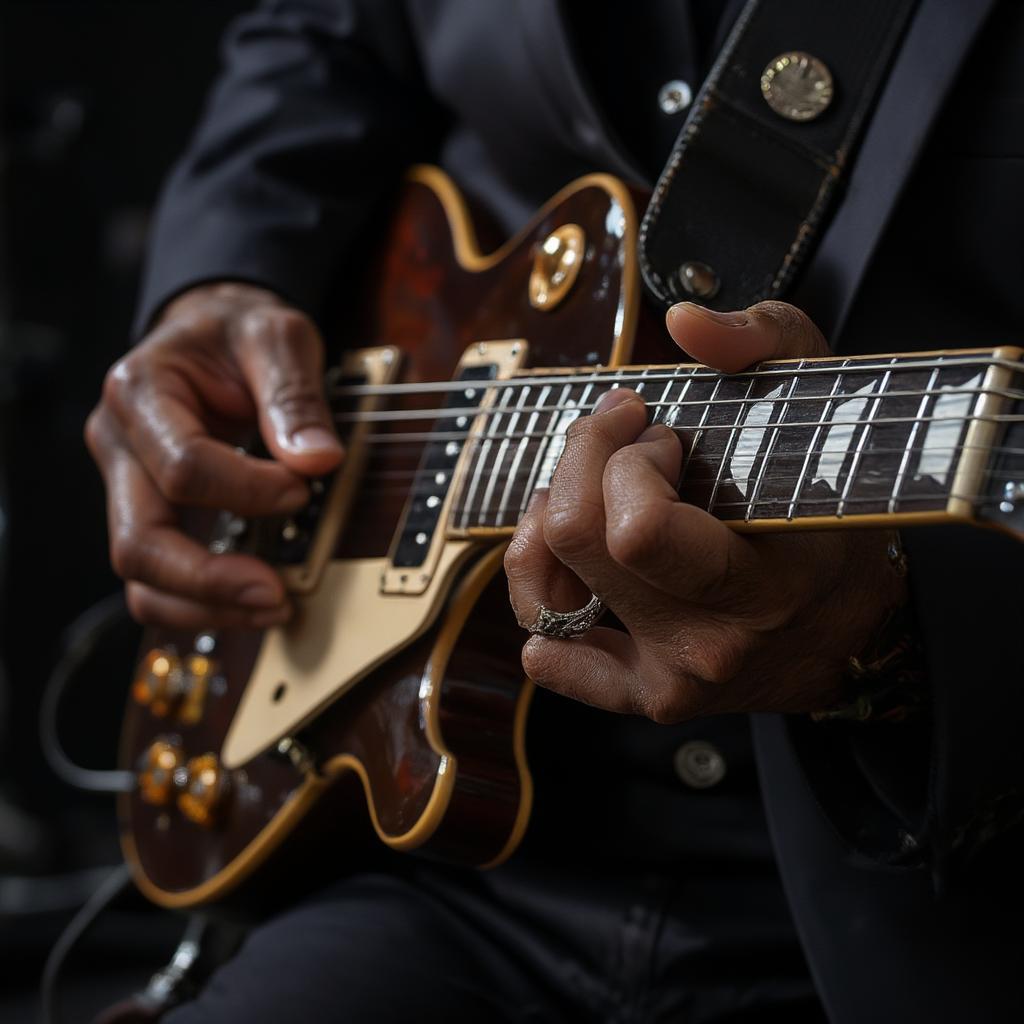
x: 430, y: 945
x: 633, y: 899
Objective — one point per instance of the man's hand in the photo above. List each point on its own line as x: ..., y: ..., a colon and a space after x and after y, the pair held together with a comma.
x: 717, y: 622
x: 222, y: 358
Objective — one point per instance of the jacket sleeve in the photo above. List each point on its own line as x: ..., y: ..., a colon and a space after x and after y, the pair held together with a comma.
x: 933, y: 792
x: 319, y: 108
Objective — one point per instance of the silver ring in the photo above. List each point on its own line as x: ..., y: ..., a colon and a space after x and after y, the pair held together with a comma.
x: 566, y: 625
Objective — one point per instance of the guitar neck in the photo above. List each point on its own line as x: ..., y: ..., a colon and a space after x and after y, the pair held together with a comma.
x: 812, y: 442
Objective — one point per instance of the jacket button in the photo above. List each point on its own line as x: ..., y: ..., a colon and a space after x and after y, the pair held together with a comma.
x: 699, y: 764
x: 674, y: 96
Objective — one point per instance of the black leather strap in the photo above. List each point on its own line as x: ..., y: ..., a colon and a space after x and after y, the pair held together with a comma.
x: 773, y: 180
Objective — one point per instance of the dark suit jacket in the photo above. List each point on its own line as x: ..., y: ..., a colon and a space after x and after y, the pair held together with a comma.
x: 897, y: 846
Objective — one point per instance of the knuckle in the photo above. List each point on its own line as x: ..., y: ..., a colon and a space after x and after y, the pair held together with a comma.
x: 663, y: 701
x: 635, y: 537
x: 120, y: 381
x: 180, y: 474
x: 515, y: 561
x: 92, y: 433
x: 572, y: 530
x: 716, y: 659
x: 126, y: 556
x: 666, y: 708
x: 798, y: 332
x: 199, y: 324
x: 139, y: 606
x: 273, y: 324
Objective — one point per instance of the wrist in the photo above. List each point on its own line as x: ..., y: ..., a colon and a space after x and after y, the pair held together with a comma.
x: 884, y: 680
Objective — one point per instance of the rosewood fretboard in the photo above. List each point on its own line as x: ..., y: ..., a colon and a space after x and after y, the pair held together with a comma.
x: 809, y: 440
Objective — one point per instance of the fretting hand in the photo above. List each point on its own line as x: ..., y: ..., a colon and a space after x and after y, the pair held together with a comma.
x: 221, y: 358
x: 717, y: 622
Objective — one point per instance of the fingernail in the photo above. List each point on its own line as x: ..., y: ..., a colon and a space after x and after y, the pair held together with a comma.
x: 313, y: 439
x: 259, y: 595
x: 657, y: 432
x: 610, y: 399
x: 277, y: 617
x: 739, y: 318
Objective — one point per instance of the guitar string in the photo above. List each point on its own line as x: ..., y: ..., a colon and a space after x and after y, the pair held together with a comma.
x: 678, y: 371
x: 879, y: 505
x: 769, y: 478
x: 411, y: 474
x: 476, y: 412
x: 415, y: 449
x: 426, y: 436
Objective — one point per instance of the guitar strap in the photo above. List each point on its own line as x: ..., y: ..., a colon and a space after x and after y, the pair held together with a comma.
x: 768, y: 151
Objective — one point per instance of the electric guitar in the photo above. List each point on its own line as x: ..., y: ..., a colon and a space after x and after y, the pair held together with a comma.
x: 396, y: 686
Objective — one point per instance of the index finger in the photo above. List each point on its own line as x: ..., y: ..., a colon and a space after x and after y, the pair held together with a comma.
x: 148, y: 546
x: 188, y: 466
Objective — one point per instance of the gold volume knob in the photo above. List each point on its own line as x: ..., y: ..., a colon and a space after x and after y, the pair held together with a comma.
x: 156, y: 774
x: 208, y: 785
x: 158, y: 681
x: 195, y: 684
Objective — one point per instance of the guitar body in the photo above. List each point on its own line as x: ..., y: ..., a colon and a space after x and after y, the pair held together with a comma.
x: 394, y: 689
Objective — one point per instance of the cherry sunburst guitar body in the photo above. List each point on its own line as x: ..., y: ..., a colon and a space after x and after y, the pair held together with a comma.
x: 393, y: 702
x: 424, y: 702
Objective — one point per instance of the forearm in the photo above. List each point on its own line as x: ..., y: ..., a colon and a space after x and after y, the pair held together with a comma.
x: 319, y: 108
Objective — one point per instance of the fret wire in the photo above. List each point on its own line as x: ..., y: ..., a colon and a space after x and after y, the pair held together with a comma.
x: 914, y: 430
x: 865, y: 366
x: 662, y: 402
x: 402, y: 415
x: 728, y: 447
x: 772, y: 439
x: 696, y: 440
x: 858, y: 451
x: 814, y: 439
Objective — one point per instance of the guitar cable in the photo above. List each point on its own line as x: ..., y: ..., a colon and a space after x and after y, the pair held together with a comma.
x: 106, y: 892
x: 80, y: 641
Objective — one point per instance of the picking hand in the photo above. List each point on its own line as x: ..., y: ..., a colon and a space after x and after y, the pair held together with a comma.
x: 221, y: 358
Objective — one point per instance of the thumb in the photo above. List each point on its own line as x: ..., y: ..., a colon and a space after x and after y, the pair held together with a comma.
x: 731, y: 342
x: 281, y: 355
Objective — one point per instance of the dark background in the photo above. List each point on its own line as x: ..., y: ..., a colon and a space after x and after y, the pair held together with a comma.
x: 96, y: 98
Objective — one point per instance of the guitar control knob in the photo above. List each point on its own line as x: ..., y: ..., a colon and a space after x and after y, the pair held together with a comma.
x: 195, y: 682
x: 157, y: 772
x: 205, y: 791
x: 158, y: 682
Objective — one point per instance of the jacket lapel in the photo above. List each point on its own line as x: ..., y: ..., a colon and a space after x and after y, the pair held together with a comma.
x: 564, y: 84
x: 937, y: 42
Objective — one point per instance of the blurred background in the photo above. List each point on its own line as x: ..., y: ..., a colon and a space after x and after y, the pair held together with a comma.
x: 96, y: 99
